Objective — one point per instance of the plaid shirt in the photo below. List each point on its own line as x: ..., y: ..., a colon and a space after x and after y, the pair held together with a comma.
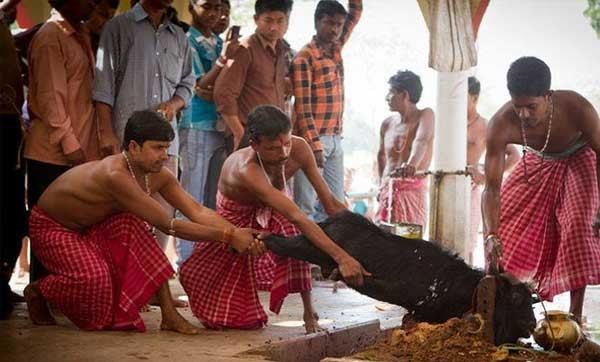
x: 318, y: 80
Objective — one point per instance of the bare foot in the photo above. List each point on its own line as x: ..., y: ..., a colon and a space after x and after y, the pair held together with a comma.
x: 176, y: 302
x: 311, y: 323
x: 176, y: 323
x: 37, y: 306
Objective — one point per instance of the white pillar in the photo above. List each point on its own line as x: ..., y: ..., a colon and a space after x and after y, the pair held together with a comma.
x: 450, y: 224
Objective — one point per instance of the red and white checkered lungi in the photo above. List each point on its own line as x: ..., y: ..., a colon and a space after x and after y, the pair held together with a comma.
x: 100, y: 278
x: 222, y: 285
x: 409, y: 201
x: 546, y: 228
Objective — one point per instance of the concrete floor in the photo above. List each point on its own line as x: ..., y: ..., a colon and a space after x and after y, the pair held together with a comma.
x: 21, y: 341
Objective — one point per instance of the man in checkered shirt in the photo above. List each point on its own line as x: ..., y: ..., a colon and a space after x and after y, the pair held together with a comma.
x: 318, y: 82
x: 543, y: 224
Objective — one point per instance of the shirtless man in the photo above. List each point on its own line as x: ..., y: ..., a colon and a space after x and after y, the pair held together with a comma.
x: 90, y: 229
x: 476, y: 129
x: 406, y: 146
x: 252, y: 193
x: 543, y: 224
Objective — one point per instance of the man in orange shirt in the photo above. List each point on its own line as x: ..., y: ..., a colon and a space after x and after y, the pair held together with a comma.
x: 61, y: 69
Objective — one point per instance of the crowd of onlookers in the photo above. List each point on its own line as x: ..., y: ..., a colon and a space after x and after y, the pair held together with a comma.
x: 79, y: 76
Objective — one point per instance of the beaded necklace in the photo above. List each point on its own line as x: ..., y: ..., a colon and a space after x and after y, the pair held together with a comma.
x: 150, y: 228
x: 541, y: 151
x: 146, y: 178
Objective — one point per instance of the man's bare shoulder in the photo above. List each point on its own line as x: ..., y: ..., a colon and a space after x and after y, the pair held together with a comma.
x: 504, y: 116
x: 479, y: 124
x: 301, y: 151
x: 388, y: 121
x: 239, y: 164
x: 571, y: 100
x: 426, y: 117
x: 112, y: 171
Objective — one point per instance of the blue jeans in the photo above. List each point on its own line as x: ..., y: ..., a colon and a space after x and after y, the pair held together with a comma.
x: 196, y: 148
x: 333, y: 173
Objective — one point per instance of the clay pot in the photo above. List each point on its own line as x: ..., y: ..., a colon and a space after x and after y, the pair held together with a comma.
x: 558, y: 327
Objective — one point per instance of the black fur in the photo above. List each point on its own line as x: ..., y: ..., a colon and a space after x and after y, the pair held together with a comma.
x: 433, y: 284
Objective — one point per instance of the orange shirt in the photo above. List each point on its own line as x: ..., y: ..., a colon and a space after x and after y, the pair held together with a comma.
x: 61, y: 72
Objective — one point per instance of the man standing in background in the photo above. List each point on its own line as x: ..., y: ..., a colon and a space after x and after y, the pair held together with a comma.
x: 13, y: 218
x: 318, y: 83
x: 256, y: 74
x: 144, y: 62
x: 63, y: 131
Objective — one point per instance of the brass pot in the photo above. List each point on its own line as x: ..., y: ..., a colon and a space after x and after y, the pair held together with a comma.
x: 558, y: 331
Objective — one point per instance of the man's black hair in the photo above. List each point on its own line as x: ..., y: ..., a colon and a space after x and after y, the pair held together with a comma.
x: 145, y: 126
x: 329, y: 8
x: 267, y: 121
x: 405, y: 80
x: 113, y: 3
x: 528, y: 76
x: 474, y: 86
x: 262, y: 6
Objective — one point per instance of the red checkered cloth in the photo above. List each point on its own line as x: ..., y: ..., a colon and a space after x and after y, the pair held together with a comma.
x: 100, y: 278
x: 546, y: 228
x: 222, y: 285
x: 409, y: 202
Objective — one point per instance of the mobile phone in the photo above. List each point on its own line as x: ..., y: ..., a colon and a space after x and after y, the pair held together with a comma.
x: 234, y: 33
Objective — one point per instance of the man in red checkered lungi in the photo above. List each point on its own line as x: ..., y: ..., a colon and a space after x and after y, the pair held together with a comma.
x: 405, y: 147
x: 546, y: 217
x: 222, y: 286
x: 91, y: 231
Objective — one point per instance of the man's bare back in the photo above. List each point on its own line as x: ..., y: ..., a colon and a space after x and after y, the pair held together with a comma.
x: 398, y: 138
x: 83, y: 196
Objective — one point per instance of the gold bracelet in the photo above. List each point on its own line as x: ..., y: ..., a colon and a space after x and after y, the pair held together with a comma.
x: 171, y: 229
x: 227, y: 235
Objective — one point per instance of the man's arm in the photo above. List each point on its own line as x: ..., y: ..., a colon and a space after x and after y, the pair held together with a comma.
x: 381, y: 158
x: 184, y: 90
x: 350, y: 269
x: 177, y: 197
x: 130, y: 197
x: 107, y: 59
x: 304, y: 155
x: 51, y: 96
x: 301, y: 82
x: 228, y: 88
x: 589, y: 124
x: 205, y: 82
x: 494, y: 168
x: 355, y: 8
x: 421, y: 143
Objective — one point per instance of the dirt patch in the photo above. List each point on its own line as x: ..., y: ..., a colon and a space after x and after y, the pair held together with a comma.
x: 453, y: 341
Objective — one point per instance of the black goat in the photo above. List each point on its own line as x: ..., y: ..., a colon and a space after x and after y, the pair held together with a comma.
x: 431, y: 283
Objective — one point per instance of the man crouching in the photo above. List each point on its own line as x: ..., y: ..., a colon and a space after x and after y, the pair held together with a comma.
x: 253, y: 192
x: 92, y: 230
